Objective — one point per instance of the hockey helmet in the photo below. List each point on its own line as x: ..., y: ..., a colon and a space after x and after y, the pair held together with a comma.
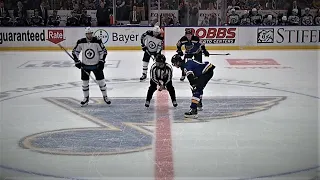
x: 176, y: 60
x: 156, y: 30
x: 188, y: 31
x: 89, y: 33
x: 160, y: 60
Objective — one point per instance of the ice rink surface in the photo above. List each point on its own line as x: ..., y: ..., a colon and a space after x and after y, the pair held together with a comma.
x: 260, y: 120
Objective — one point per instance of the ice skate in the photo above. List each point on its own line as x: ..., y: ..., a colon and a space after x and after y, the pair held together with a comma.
x: 106, y: 99
x: 143, y: 77
x: 193, y: 113
x: 200, y: 106
x: 174, y: 103
x: 147, y: 104
x: 182, y: 78
x: 84, y: 102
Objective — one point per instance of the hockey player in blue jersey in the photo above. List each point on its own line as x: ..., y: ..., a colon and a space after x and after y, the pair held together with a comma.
x: 198, y: 74
x: 194, y: 48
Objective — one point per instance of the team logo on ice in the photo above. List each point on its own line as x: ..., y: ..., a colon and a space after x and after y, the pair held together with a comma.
x: 125, y: 127
x: 89, y: 53
x: 102, y: 34
x: 265, y: 35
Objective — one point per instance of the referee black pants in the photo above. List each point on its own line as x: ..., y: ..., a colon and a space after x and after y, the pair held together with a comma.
x: 153, y: 88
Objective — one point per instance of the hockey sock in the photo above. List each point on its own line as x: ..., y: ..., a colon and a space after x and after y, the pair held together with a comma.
x: 145, y: 67
x: 195, y: 100
x: 85, y: 88
x: 103, y: 87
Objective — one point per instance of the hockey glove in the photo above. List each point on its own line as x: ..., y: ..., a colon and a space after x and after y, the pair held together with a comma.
x: 206, y: 53
x: 100, y: 65
x: 180, y: 53
x: 78, y: 64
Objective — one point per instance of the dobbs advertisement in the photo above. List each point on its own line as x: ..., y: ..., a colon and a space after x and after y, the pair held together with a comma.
x: 288, y: 35
x: 211, y: 36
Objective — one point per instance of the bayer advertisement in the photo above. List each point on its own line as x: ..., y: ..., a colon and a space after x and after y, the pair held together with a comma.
x: 120, y: 36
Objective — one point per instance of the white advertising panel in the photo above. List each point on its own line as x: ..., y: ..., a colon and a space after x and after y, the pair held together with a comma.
x: 288, y: 36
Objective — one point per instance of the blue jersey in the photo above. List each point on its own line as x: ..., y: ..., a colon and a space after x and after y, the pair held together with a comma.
x: 193, y: 46
x: 196, y: 69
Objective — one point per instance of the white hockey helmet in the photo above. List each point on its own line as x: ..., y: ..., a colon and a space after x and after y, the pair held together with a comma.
x: 156, y: 30
x: 88, y: 30
x: 269, y: 17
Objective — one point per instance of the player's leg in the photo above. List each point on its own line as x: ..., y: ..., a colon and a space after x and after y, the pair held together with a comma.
x: 102, y: 84
x: 151, y: 90
x: 145, y: 63
x: 202, y: 83
x: 193, y: 112
x: 85, y: 87
x: 172, y: 93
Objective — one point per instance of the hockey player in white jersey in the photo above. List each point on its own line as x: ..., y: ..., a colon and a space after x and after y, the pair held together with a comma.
x: 151, y: 43
x: 93, y: 59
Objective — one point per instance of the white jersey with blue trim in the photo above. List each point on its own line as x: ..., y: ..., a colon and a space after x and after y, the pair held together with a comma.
x: 92, y: 51
x: 153, y: 44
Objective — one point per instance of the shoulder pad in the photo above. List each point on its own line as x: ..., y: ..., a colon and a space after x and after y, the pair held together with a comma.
x: 149, y: 32
x: 183, y: 38
x: 96, y: 40
x: 82, y: 40
x: 196, y: 38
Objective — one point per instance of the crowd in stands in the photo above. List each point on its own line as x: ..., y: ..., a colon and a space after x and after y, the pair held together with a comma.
x: 14, y: 12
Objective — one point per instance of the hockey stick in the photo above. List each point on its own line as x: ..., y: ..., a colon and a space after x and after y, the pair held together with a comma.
x: 73, y: 59
x: 213, y: 54
x: 227, y: 54
x: 150, y: 55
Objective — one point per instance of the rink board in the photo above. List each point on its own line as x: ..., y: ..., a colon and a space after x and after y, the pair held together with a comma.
x: 129, y: 38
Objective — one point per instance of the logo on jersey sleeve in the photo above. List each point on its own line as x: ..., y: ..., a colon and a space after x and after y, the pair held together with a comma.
x: 124, y: 127
x: 89, y: 53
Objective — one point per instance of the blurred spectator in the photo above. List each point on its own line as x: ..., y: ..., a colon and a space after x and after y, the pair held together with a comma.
x: 36, y: 19
x: 21, y: 21
x: 5, y: 19
x: 317, y: 18
x: 3, y: 9
x: 183, y: 13
x: 43, y: 12
x: 140, y: 4
x: 269, y: 20
x: 20, y: 10
x: 307, y: 18
x: 294, y: 19
x: 88, y: 5
x: 121, y: 9
x: 233, y: 18
x: 193, y: 14
x: 54, y: 19
x: 135, y: 16
x: 283, y: 21
x: 85, y: 19
x: 103, y: 15
x: 292, y: 7
x: 73, y: 20
x: 245, y: 19
x: 256, y: 17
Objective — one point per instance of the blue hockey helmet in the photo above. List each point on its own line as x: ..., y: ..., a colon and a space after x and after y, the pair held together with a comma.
x: 176, y: 60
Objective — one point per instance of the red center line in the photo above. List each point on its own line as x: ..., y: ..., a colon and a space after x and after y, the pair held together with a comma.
x: 164, y: 158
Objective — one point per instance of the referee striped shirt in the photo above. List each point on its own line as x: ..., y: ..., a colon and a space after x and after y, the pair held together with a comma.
x: 164, y: 74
